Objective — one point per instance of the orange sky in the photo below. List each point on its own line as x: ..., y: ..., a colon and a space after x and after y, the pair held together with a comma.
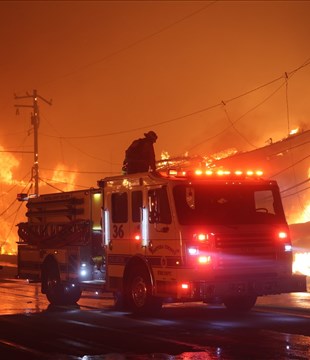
x: 127, y: 67
x: 118, y: 66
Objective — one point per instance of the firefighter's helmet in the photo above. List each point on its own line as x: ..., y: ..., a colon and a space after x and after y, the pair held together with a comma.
x: 151, y: 135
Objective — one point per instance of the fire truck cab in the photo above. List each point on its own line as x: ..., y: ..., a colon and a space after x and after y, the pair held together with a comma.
x: 151, y: 238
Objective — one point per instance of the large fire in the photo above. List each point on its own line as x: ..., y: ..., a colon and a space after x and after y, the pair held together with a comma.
x: 7, y: 234
x: 12, y: 211
x: 63, y: 178
x: 7, y: 163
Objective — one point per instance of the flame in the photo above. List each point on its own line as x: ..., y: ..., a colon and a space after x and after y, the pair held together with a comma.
x: 297, y: 217
x: 164, y: 155
x: 294, y: 131
x: 8, y: 236
x: 224, y: 154
x: 8, y: 239
x: 64, y: 178
x: 301, y: 263
x: 7, y: 163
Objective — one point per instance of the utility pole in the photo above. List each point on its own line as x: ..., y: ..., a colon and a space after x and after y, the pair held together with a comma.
x: 35, y: 122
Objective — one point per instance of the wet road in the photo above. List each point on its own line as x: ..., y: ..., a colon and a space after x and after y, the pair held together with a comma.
x: 277, y: 328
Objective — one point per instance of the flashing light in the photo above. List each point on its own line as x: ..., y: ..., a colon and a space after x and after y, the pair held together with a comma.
x: 172, y: 172
x: 223, y: 172
x: 106, y: 232
x: 203, y: 236
x: 97, y: 196
x: 137, y: 237
x: 184, y: 286
x: 83, y: 270
x: 282, y: 235
x: 287, y: 248
x: 96, y: 228
x: 145, y: 227
x: 204, y: 259
x: 209, y: 172
x: 22, y: 197
x: 193, y: 251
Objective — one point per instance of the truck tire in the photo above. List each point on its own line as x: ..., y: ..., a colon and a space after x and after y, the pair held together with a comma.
x: 138, y: 293
x: 119, y: 301
x: 59, y: 293
x: 240, y: 304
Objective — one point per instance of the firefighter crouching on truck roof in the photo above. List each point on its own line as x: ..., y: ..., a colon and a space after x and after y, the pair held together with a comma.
x: 140, y: 156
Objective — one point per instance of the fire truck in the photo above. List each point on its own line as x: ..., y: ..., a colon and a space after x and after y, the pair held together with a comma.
x: 153, y: 238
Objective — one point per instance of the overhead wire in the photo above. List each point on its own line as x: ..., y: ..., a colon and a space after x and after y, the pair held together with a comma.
x: 52, y: 186
x: 11, y: 228
x: 289, y: 167
x: 15, y: 185
x: 82, y: 172
x: 46, y: 181
x: 62, y: 138
x: 16, y: 213
x: 10, y: 205
x: 135, y: 43
x: 235, y: 129
x: 236, y: 120
x: 295, y: 193
x: 196, y: 112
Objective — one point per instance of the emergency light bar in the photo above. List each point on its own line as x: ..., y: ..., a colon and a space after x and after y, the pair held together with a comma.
x: 25, y: 197
x: 200, y: 173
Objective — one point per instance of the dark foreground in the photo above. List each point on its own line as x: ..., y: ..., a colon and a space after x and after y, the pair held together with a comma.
x: 277, y: 328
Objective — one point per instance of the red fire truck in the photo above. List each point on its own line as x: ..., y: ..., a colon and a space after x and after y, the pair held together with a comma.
x: 152, y: 238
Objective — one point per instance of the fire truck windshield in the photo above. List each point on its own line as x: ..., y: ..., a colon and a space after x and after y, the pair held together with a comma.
x: 198, y: 204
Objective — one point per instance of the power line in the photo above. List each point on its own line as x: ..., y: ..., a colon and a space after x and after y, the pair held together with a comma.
x: 295, y: 193
x: 16, y: 151
x: 15, y: 185
x: 137, y: 42
x: 82, y: 172
x: 3, y: 212
x: 196, y: 112
x: 289, y: 167
x: 239, y: 118
x: 64, y: 183
x: 296, y: 185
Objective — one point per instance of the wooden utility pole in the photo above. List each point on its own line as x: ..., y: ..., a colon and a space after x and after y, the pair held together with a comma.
x: 35, y: 122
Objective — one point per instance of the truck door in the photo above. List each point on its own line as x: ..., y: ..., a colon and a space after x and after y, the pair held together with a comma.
x: 163, y: 250
x: 136, y: 223
x: 116, y: 235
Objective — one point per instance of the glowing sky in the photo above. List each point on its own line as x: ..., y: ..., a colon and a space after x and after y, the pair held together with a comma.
x: 123, y: 68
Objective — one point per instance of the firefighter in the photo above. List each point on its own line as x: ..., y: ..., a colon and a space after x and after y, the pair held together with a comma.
x: 140, y: 156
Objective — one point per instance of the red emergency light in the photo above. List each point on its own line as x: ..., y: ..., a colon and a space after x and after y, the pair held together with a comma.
x: 224, y: 173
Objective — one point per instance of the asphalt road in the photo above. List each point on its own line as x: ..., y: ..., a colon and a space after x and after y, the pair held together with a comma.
x: 277, y: 328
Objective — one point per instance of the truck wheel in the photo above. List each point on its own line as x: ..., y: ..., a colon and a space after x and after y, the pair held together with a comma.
x: 139, y: 293
x: 59, y: 293
x: 240, y: 304
x: 119, y: 301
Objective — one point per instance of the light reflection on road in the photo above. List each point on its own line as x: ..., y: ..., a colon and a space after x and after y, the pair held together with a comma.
x: 19, y: 296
